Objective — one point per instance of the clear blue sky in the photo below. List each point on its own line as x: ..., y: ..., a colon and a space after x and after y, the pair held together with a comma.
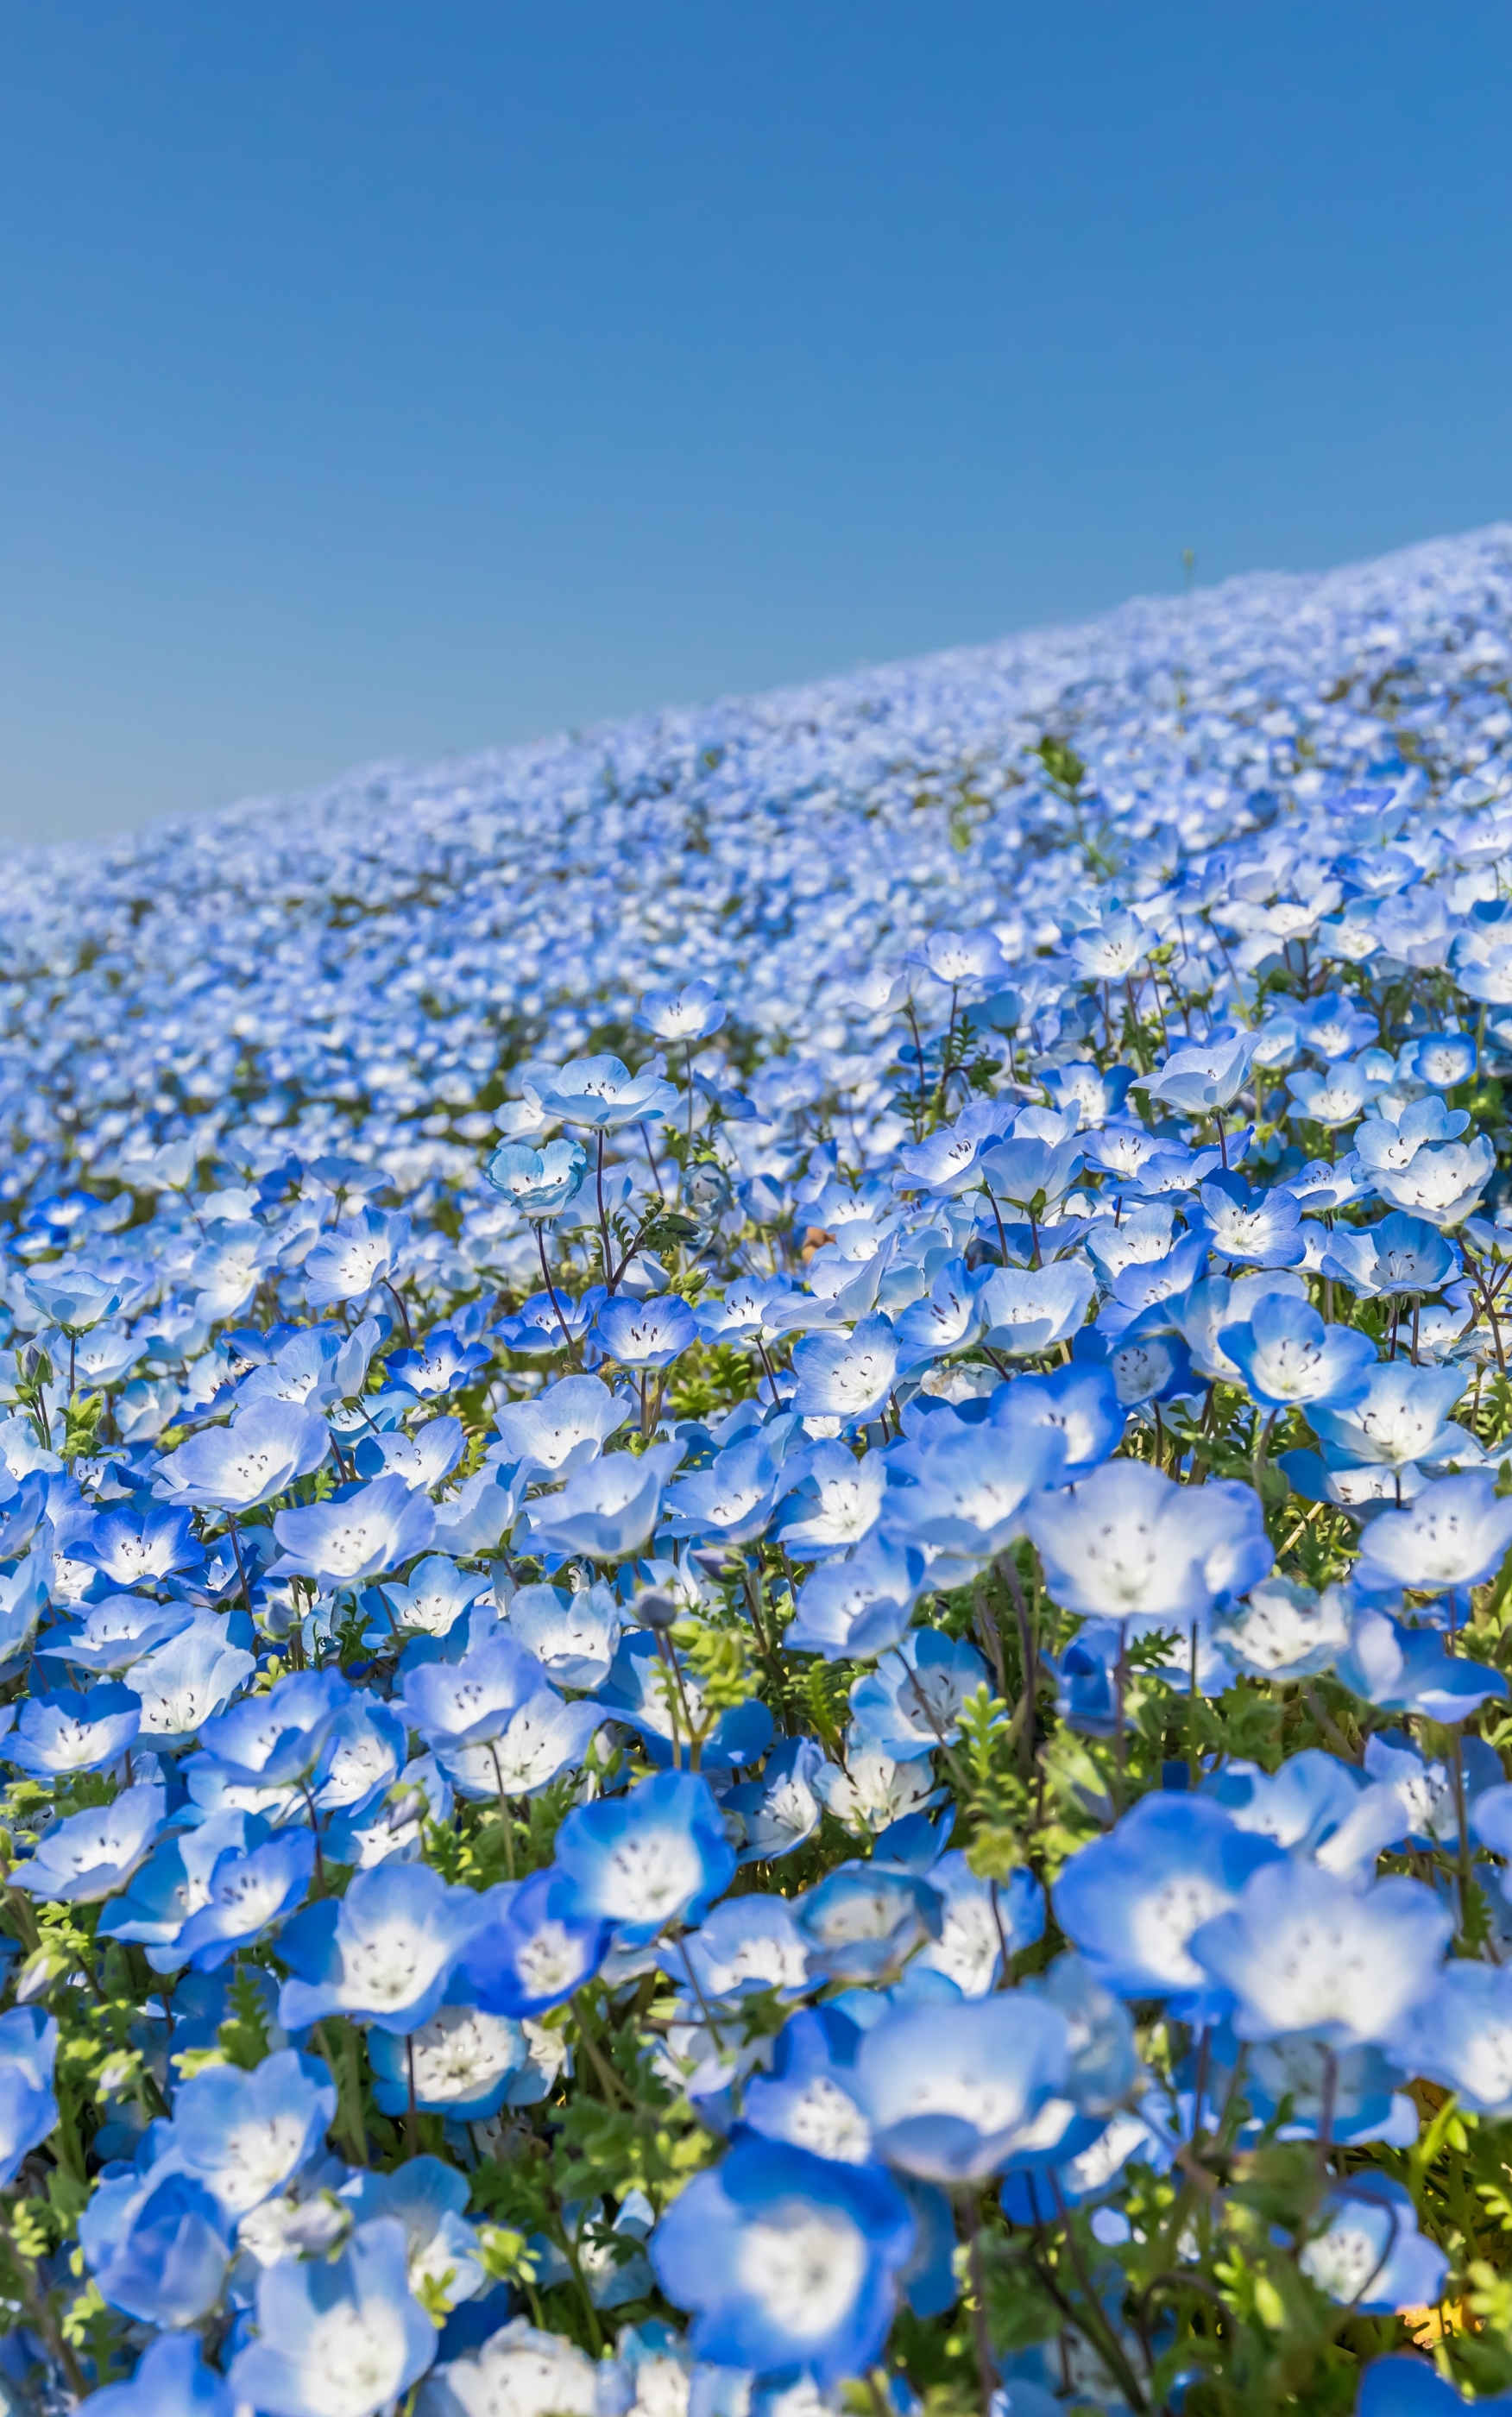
x: 390, y: 376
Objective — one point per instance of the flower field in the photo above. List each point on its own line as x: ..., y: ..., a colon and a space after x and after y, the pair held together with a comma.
x: 756, y: 1552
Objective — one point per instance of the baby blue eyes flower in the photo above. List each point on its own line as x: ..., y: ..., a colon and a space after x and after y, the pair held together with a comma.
x: 644, y: 1333
x: 1459, y: 2035
x: 1128, y: 1540
x: 639, y: 1862
x: 1286, y: 1354
x: 573, y: 1636
x: 1302, y: 1951
x: 1026, y: 1310
x: 158, y: 2246
x: 243, y: 2135
x: 280, y: 1737
x: 864, y: 1920
x: 59, y: 1734
x: 1454, y: 1534
x: 778, y: 1811
x: 266, y: 1446
x: 562, y: 1430
x: 359, y: 1257
x: 336, y: 2338
x: 1370, y: 2257
x: 601, y: 1093
x: 848, y: 1377
x: 536, y: 1947
x: 607, y: 1510
x: 540, y: 1183
x: 1204, y: 1078
x: 28, y: 2109
x: 356, y: 1536
x: 1407, y: 1670
x: 912, y: 1701
x: 953, y: 2092
x: 789, y: 2261
x: 461, y: 2063
x: 246, y: 1893
x: 383, y: 1955
x: 1261, y: 1229
x: 1399, y: 1254
x: 1131, y: 1901
x: 75, y: 1298
x: 90, y: 1854
x: 691, y: 1014
x: 182, y: 1683
x: 172, y: 2380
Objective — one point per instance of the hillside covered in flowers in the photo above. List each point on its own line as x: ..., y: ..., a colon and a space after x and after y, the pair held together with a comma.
x: 755, y: 1603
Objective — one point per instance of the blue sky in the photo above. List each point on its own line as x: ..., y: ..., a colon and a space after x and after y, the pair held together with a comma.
x: 386, y: 379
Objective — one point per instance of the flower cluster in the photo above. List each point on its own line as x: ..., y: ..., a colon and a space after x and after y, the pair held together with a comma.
x: 756, y: 1555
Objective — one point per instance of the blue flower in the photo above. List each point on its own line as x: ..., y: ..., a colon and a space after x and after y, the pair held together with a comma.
x: 111, y: 1635
x: 266, y: 1446
x: 244, y: 2134
x: 1250, y: 1228
x: 573, y: 1636
x: 1459, y: 2035
x: 173, y: 1883
x: 28, y: 2109
x: 912, y: 1701
x: 691, y: 1014
x: 656, y: 1855
x: 1370, y: 2257
x: 56, y: 1735
x: 953, y: 2093
x: 1026, y: 1310
x: 601, y: 1093
x: 1401, y: 1253
x: 1132, y: 1900
x: 1128, y: 1540
x: 338, y: 2335
x: 75, y: 1297
x: 1407, y: 1670
x: 964, y: 1493
x: 780, y: 1810
x: 358, y: 1533
x: 540, y: 1183
x: 535, y: 1946
x: 731, y: 1502
x: 1286, y: 1354
x: 650, y: 1333
x: 1204, y: 1077
x: 858, y: 1607
x: 90, y: 1854
x: 170, y: 2381
x: 608, y: 1509
x: 135, y: 1548
x: 359, y: 1256
x: 386, y: 1955
x: 862, y: 1922
x: 279, y: 1736
x: 460, y: 2062
x: 843, y: 1376
x: 789, y: 2261
x: 427, y: 2197
x: 1079, y: 1402
x: 1453, y: 1535
x: 246, y: 1893
x: 158, y: 2246
x: 186, y: 1682
x: 562, y: 1429
x: 1302, y: 1951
